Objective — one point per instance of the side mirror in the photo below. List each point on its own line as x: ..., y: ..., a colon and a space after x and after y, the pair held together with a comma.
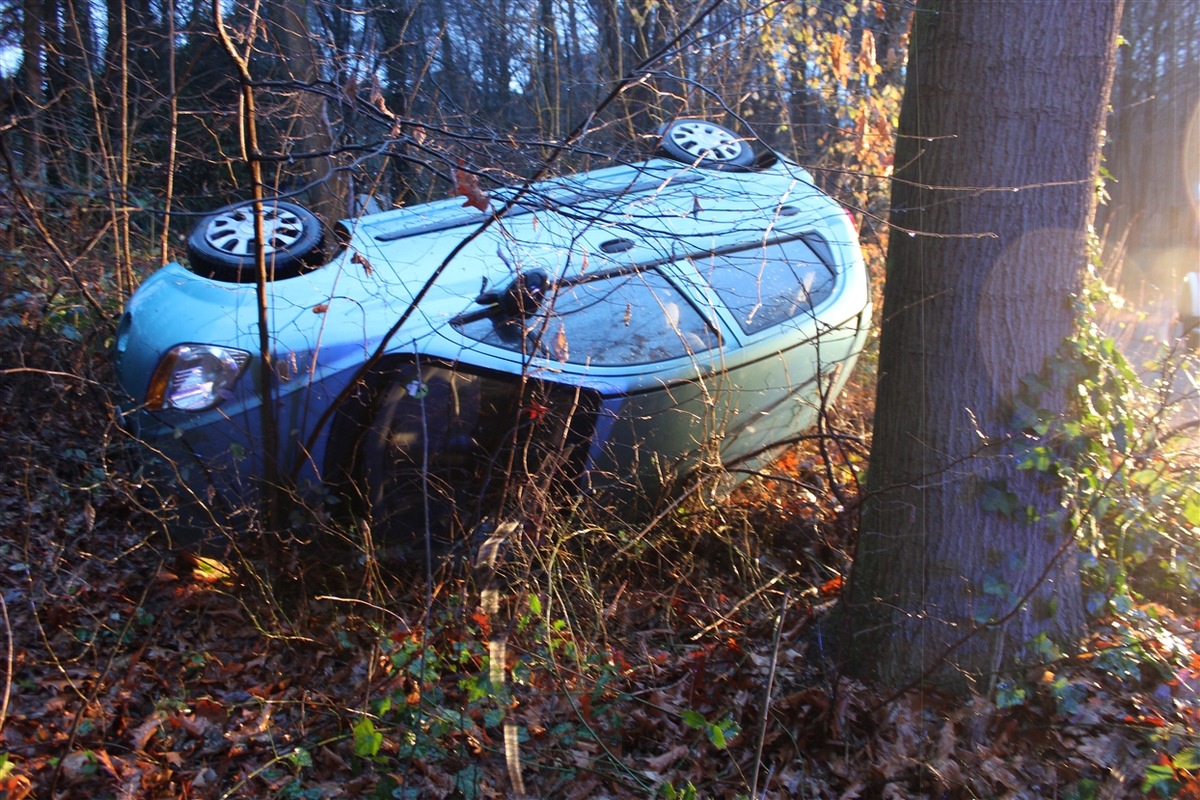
x: 524, y: 295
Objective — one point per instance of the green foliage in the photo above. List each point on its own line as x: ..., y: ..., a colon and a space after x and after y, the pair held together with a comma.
x: 296, y: 791
x: 688, y: 792
x: 1166, y: 777
x: 468, y: 782
x: 1011, y: 693
x: 1085, y: 789
x: 997, y: 596
x: 718, y: 733
x: 1132, y: 502
x: 1068, y: 695
x: 367, y: 740
x: 300, y: 758
x: 443, y: 702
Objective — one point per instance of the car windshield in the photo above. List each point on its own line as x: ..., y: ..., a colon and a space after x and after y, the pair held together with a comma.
x: 764, y: 286
x: 633, y: 318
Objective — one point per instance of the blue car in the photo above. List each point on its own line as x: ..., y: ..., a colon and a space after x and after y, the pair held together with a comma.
x: 613, y: 332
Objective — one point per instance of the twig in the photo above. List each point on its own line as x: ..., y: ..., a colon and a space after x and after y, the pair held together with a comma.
x: 366, y: 603
x: 766, y: 709
x: 740, y: 604
x: 8, y: 662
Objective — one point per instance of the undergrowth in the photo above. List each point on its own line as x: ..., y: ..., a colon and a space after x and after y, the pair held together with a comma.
x: 569, y: 656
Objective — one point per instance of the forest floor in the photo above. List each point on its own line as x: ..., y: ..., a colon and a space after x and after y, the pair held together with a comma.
x: 676, y: 661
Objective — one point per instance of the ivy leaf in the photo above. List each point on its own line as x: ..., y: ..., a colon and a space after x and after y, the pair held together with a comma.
x: 999, y: 500
x: 719, y: 734
x: 367, y: 740
x: 995, y: 586
x: 1188, y: 760
x: 1191, y: 510
x: 1160, y: 778
x: 1010, y: 694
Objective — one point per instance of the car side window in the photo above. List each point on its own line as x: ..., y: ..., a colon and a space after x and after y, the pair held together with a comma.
x: 636, y: 318
x: 767, y: 285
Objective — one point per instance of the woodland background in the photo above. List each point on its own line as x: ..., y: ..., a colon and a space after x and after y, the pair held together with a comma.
x: 674, y: 660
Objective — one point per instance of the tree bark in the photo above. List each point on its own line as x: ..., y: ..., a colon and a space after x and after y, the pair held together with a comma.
x: 308, y: 128
x: 964, y: 559
x: 30, y: 77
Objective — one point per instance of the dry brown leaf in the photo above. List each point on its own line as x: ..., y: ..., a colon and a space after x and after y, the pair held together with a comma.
x: 142, y: 733
x: 866, y: 56
x: 196, y: 726
x: 466, y: 184
x: 659, y: 764
x: 16, y: 787
x: 838, y: 58
x: 105, y: 761
x: 560, y: 349
x: 77, y: 766
x: 854, y: 791
x: 380, y: 103
x: 837, y: 721
x: 584, y: 789
x: 1001, y: 770
x: 361, y: 260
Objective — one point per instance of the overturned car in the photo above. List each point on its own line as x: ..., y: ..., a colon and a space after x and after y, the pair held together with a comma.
x: 619, y: 329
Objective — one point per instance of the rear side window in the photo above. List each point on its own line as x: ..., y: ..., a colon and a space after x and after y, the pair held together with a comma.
x: 765, y: 286
x: 637, y: 318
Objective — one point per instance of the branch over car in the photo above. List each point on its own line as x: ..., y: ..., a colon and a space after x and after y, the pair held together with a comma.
x: 621, y: 328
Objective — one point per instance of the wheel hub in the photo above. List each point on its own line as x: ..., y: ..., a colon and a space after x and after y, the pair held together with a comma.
x: 233, y: 232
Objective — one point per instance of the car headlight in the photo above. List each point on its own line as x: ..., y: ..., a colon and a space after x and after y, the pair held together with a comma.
x: 195, y: 377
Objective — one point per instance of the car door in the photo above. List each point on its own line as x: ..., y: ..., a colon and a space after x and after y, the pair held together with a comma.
x: 780, y: 300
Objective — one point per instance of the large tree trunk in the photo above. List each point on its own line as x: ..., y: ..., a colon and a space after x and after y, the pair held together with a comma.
x: 961, y: 553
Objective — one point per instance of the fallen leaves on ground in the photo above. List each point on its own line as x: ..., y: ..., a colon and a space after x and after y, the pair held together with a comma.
x: 131, y: 674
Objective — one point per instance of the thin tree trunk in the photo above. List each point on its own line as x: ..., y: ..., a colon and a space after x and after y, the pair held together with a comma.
x: 31, y: 76
x: 271, y: 473
x: 172, y: 136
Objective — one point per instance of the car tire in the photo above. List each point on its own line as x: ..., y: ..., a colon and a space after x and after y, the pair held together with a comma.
x: 705, y: 144
x: 415, y: 474
x: 223, y: 246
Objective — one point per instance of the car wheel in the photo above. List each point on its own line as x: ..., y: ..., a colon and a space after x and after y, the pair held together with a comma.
x: 439, y: 447
x: 418, y: 460
x: 224, y: 245
x: 694, y: 141
x: 1189, y: 310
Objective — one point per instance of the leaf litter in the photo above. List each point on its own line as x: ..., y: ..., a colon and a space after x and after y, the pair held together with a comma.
x: 129, y: 674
